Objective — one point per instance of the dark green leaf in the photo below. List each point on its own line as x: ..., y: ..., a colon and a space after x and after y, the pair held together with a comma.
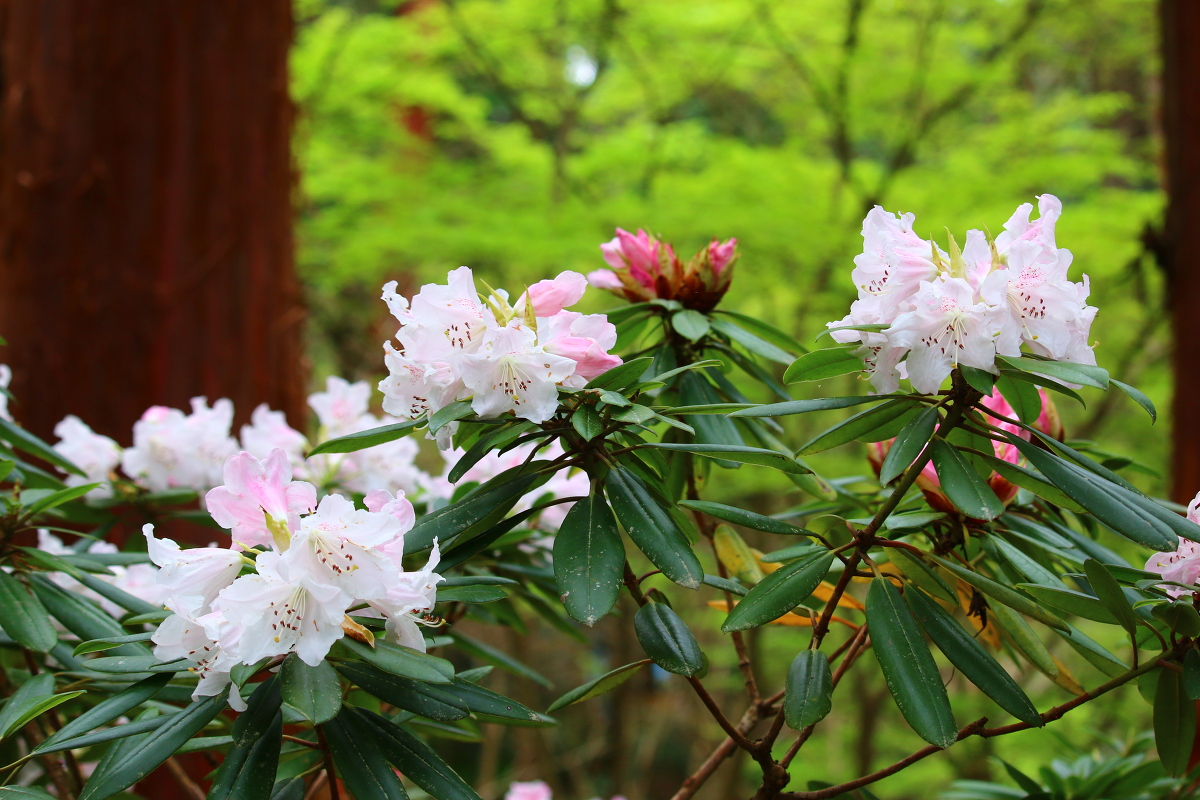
x: 696, y: 390
x: 921, y: 575
x: 248, y: 770
x: 587, y: 422
x: 861, y: 426
x: 26, y: 442
x: 779, y: 592
x: 1180, y: 617
x: 492, y: 500
x: 908, y: 667
x: 1009, y: 597
x: 417, y: 760
x: 58, y: 498
x: 118, y: 665
x: 908, y: 445
x: 353, y: 442
x: 471, y: 594
x: 23, y: 617
x: 80, y: 616
x: 1096, y: 655
x: 1191, y: 674
x: 313, y: 691
x: 806, y: 406
x: 725, y: 585
x: 106, y: 711
x: 598, y: 686
x: 764, y: 331
x: 752, y: 342
x: 808, y: 692
x: 1072, y: 602
x: 1174, y: 722
x: 980, y: 380
x: 970, y: 658
x: 666, y: 639
x: 489, y: 706
x: 1060, y: 370
x: 493, y: 655
x: 1024, y: 398
x: 820, y: 365
x: 652, y: 529
x: 135, y: 763
x: 117, y: 596
x: 404, y: 661
x: 359, y: 760
x: 739, y: 453
x: 691, y: 325
x: 621, y: 377
x: 1109, y: 591
x: 969, y: 493
x: 589, y: 557
x: 447, y: 414
x: 1138, y: 397
x: 418, y: 697
x: 747, y: 519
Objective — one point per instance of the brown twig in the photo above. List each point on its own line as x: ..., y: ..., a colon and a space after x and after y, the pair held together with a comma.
x: 183, y: 779
x: 327, y: 755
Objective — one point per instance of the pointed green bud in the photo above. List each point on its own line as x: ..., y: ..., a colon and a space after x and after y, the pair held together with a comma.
x: 958, y: 267
x: 529, y: 317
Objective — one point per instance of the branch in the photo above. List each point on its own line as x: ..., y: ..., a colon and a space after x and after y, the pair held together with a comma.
x: 977, y: 728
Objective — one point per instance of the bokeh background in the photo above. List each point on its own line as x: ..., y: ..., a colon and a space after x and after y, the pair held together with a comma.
x: 205, y: 197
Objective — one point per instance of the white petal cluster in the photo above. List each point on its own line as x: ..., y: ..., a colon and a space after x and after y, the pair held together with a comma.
x: 313, y: 563
x: 942, y: 309
x: 139, y: 580
x: 504, y: 357
x: 173, y: 450
x: 96, y: 455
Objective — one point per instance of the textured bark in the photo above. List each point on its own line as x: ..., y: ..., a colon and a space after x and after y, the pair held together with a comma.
x: 1181, y: 123
x: 146, y: 251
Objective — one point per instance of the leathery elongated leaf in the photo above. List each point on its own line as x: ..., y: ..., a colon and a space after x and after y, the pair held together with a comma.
x: 248, y: 770
x: 652, y: 529
x: 779, y: 592
x: 1023, y: 637
x: 1009, y: 597
x: 1071, y: 601
x: 589, y: 557
x: 908, y: 445
x: 400, y: 660
x: 136, y: 763
x: 908, y: 666
x: 359, y: 760
x: 968, y: 492
x: 353, y: 442
x: 747, y: 519
x: 23, y: 617
x: 312, y: 691
x: 823, y: 364
x: 493, y: 499
x: 739, y: 453
x: 1174, y: 722
x: 808, y: 692
x: 666, y: 639
x: 1109, y: 591
x: 598, y: 686
x: 1191, y: 674
x: 970, y: 658
x: 427, y: 699
x: 417, y: 760
x: 918, y: 573
x: 106, y: 711
x: 859, y: 426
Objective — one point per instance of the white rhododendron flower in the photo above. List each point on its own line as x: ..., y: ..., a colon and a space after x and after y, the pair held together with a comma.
x: 5, y: 380
x: 506, y: 357
x: 185, y: 634
x: 198, y: 572
x: 259, y: 500
x: 172, y: 450
x: 139, y: 580
x: 268, y: 430
x: 96, y: 455
x: 933, y: 310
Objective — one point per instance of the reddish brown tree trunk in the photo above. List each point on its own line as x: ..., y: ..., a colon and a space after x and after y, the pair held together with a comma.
x: 1181, y: 123
x: 146, y: 251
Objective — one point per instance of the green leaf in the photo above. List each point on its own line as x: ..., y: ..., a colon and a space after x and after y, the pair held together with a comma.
x: 493, y: 655
x: 135, y: 763
x: 1191, y: 674
x: 908, y: 667
x: 589, y: 558
x: 652, y: 529
x: 417, y: 760
x: 808, y: 691
x: 694, y: 390
x: 1109, y: 591
x: 666, y: 639
x: 605, y: 683
x: 24, y: 793
x: 747, y: 519
x: 313, y: 691
x: 57, y: 499
x: 1174, y: 723
x: 1071, y: 601
x: 400, y: 660
x: 980, y: 380
x: 489, y: 706
x: 144, y: 724
x: 1045, y: 383
x: 969, y: 493
x: 970, y: 658
x: 1027, y: 479
x: 447, y: 414
x: 691, y: 325
x: 821, y: 365
x: 752, y: 342
x: 106, y: 711
x: 764, y: 331
x: 117, y: 596
x: 1023, y: 636
x: 1180, y: 617
x: 353, y: 442
x: 779, y: 593
x: 23, y: 617
x: 248, y: 769
x: 471, y: 594
x: 418, y: 697
x: 726, y: 585
x: 119, y: 665
x: 738, y: 453
x: 27, y: 698
x: 80, y: 616
x: 908, y: 445
x: 25, y: 441
x: 621, y: 376
x: 806, y: 406
x: 493, y: 499
x: 1138, y: 397
x: 359, y: 760
x: 860, y: 426
x: 1024, y: 398
x: 1095, y: 655
x: 587, y: 423
x: 1060, y: 370
x: 921, y: 575
x: 1009, y: 597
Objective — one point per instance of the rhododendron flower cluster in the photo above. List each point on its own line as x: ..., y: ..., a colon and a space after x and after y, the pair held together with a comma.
x: 173, y: 450
x: 645, y: 268
x: 310, y: 563
x: 937, y: 310
x: 505, y: 356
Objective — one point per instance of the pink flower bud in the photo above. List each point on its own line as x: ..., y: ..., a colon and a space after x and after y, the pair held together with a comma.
x: 721, y: 254
x: 552, y: 296
x: 605, y: 279
x: 638, y: 254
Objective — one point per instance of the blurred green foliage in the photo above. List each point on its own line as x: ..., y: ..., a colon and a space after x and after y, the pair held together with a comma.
x: 514, y: 135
